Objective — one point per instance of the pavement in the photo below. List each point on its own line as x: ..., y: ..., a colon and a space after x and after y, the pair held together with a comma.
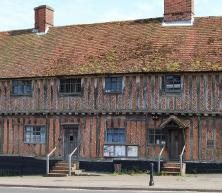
x: 194, y: 183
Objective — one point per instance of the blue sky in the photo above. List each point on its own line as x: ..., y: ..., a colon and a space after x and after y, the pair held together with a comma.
x: 19, y: 14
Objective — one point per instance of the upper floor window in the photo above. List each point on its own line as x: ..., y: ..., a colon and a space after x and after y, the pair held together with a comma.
x: 34, y: 134
x: 115, y: 135
x: 172, y: 83
x: 70, y: 86
x: 156, y: 136
x: 22, y: 87
x: 113, y: 84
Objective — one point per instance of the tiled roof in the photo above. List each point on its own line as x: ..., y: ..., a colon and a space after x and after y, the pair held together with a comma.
x: 115, y: 47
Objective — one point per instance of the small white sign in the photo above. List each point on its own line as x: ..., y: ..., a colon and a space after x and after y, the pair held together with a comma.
x: 132, y: 151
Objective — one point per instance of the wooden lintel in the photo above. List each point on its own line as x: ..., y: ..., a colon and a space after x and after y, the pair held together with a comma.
x: 158, y: 113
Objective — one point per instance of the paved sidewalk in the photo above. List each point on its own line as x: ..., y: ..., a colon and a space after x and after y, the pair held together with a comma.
x: 210, y: 182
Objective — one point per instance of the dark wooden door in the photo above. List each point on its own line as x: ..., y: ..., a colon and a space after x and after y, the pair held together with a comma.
x: 175, y: 144
x: 71, y: 140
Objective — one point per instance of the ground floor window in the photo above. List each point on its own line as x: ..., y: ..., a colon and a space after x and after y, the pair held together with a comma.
x: 156, y: 136
x: 115, y: 135
x: 210, y: 143
x: 34, y: 134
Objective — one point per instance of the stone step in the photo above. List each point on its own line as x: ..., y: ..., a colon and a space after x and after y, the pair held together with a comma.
x: 52, y: 174
x: 59, y: 167
x: 171, y: 173
x: 65, y: 167
x: 171, y: 164
x: 171, y: 169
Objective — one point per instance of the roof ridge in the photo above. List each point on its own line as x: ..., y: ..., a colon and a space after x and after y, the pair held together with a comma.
x: 140, y: 20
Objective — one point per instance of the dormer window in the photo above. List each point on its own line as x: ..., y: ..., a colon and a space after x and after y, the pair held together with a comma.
x: 70, y: 86
x: 113, y: 84
x: 22, y: 87
x: 172, y: 84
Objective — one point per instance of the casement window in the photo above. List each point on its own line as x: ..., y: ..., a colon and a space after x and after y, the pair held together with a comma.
x: 70, y: 86
x: 34, y: 134
x: 172, y: 83
x: 210, y: 143
x: 113, y: 84
x: 156, y: 136
x: 115, y: 136
x: 22, y: 87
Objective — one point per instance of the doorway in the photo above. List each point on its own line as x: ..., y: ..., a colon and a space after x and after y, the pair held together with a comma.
x: 71, y: 139
x: 175, y: 143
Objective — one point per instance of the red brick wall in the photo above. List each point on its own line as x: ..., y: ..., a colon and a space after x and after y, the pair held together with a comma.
x: 44, y: 18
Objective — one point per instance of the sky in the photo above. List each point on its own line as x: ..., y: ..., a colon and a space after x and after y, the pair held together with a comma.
x: 19, y: 14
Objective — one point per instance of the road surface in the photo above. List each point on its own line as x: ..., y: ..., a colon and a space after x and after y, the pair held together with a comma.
x: 52, y: 190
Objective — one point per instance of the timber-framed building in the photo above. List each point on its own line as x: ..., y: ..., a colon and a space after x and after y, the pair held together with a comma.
x: 117, y: 90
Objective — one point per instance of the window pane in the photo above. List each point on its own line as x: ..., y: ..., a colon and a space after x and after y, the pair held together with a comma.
x: 21, y: 87
x: 155, y: 136
x: 115, y: 135
x: 70, y: 86
x: 34, y: 134
x: 172, y: 83
x: 113, y: 84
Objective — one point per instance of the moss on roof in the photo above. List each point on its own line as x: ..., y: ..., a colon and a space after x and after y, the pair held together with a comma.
x: 115, y: 47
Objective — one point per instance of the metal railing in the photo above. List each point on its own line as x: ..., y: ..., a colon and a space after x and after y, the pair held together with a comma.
x: 70, y: 159
x: 181, y: 159
x: 159, y: 158
x: 47, y: 160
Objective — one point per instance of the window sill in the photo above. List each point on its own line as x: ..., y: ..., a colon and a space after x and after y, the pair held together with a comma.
x: 22, y: 95
x: 70, y: 94
x: 113, y: 92
x: 114, y: 143
x: 172, y: 93
x: 152, y: 144
x: 33, y: 143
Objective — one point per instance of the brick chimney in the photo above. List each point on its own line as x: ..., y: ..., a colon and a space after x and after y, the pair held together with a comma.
x: 44, y: 18
x: 178, y: 11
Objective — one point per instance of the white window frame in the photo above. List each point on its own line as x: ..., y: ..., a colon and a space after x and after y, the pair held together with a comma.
x: 35, y: 134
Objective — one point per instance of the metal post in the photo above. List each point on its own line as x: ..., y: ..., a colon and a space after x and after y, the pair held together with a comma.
x: 158, y: 164
x: 47, y: 160
x: 47, y: 164
x: 70, y: 161
x: 181, y: 164
x: 151, y: 183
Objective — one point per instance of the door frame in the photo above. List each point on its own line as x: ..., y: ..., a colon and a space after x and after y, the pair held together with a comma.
x: 70, y: 126
x: 173, y: 133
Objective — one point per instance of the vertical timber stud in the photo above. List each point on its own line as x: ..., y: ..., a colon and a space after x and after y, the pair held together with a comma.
x: 90, y: 137
x: 98, y: 125
x: 47, y: 136
x: 1, y: 134
x: 199, y: 138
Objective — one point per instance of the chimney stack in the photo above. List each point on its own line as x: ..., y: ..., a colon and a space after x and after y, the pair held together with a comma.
x: 178, y: 11
x: 44, y: 18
